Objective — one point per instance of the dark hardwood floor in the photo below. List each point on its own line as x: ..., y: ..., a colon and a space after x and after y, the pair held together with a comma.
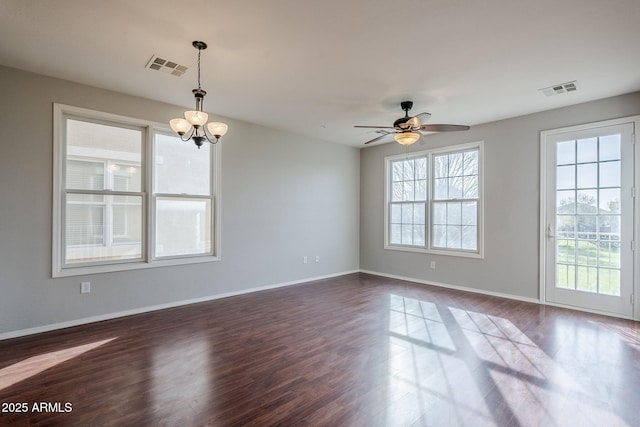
x: 356, y: 350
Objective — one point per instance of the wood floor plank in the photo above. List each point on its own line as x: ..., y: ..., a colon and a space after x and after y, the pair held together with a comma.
x: 356, y: 350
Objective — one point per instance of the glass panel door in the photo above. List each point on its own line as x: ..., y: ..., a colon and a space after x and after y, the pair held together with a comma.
x: 589, y: 213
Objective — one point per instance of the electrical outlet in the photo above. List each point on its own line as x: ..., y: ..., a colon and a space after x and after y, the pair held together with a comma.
x: 317, y: 258
x: 433, y: 265
x: 305, y: 260
x: 85, y: 287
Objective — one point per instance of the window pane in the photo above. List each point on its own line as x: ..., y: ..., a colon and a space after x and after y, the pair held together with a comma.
x: 586, y: 279
x: 566, y: 153
x: 566, y: 177
x: 454, y: 213
x: 100, y: 228
x: 418, y: 235
x: 454, y: 237
x: 126, y: 177
x: 471, y: 163
x: 181, y: 168
x: 610, y: 147
x: 609, y: 201
x: 85, y: 175
x: 439, y: 213
x: 439, y: 238
x: 587, y: 150
x: 85, y: 220
x: 455, y: 164
x: 470, y: 213
x: 454, y: 223
x: 609, y: 281
x: 470, y: 238
x: 407, y: 234
x: 565, y: 276
x: 587, y: 201
x: 396, y: 234
x: 421, y: 190
x: 566, y: 201
x: 610, y: 227
x: 396, y: 214
x: 610, y: 173
x: 183, y: 226
x: 408, y: 191
x: 609, y: 254
x: 470, y: 187
x: 397, y: 171
x: 407, y: 213
x: 440, y: 166
x: 408, y: 170
x: 440, y: 188
x: 566, y: 226
x: 588, y: 175
x: 127, y: 219
x: 421, y: 168
x: 418, y: 213
x: 95, y: 152
x: 396, y: 191
x: 586, y: 226
x: 455, y: 187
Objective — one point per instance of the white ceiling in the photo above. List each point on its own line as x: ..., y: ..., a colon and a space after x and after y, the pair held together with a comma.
x: 319, y: 67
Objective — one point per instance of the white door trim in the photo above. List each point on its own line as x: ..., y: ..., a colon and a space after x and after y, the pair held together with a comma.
x: 544, y: 135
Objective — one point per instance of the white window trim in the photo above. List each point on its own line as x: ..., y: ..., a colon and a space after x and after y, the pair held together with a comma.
x: 429, y: 155
x: 60, y: 111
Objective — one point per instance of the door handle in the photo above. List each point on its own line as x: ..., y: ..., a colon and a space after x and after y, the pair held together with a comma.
x: 551, y: 232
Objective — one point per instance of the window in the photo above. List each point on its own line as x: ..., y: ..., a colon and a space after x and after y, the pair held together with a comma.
x: 182, y: 198
x: 434, y: 201
x: 108, y: 215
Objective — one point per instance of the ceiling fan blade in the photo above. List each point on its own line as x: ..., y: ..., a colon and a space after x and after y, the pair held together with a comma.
x: 443, y: 128
x: 377, y: 138
x: 413, y: 123
x: 375, y: 127
x: 425, y: 116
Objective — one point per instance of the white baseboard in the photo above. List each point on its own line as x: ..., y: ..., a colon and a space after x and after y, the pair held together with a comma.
x: 456, y: 287
x: 588, y: 310
x: 108, y: 316
x: 498, y: 294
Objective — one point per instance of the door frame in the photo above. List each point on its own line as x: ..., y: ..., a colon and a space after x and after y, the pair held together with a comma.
x: 544, y: 220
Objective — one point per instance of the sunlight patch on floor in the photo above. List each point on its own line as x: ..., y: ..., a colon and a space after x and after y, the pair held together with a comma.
x: 457, y: 365
x: 34, y: 365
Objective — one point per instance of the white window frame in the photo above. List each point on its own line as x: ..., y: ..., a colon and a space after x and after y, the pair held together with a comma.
x: 429, y: 154
x: 61, y: 113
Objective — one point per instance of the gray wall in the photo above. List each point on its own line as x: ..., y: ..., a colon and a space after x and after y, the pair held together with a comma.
x: 283, y: 197
x: 512, y: 201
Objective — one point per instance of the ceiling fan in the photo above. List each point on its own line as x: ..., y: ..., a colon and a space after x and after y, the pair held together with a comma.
x: 408, y: 129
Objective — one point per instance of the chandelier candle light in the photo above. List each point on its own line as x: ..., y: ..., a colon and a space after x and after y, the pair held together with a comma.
x: 193, y: 124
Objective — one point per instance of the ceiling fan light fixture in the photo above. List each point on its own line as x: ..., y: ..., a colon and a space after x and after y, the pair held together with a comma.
x: 406, y: 138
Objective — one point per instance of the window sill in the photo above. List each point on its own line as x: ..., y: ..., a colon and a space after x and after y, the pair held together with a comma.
x: 110, y: 268
x: 462, y: 254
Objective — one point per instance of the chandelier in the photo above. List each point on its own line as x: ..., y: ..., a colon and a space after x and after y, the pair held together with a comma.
x: 193, y: 125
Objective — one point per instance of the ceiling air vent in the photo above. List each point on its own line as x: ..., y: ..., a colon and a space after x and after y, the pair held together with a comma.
x: 560, y: 88
x: 166, y: 66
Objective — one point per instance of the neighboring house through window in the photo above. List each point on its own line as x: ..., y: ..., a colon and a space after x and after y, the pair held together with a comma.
x: 115, y: 209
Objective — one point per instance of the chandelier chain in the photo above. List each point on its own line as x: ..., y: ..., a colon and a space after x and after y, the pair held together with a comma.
x: 199, y: 51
